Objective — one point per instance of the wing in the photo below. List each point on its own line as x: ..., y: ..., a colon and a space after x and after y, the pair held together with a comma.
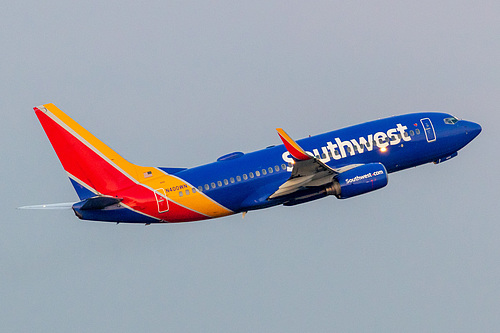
x: 308, y: 171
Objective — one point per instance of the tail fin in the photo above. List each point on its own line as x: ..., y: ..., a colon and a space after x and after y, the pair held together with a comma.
x: 93, y: 167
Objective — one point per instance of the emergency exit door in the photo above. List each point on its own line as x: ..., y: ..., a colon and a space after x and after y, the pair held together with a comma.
x: 161, y: 200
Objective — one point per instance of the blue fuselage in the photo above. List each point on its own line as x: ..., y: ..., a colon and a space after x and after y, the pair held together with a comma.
x: 243, y: 182
x: 344, y: 163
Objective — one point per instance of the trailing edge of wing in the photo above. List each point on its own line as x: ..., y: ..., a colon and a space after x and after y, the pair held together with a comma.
x: 307, y: 174
x: 293, y: 148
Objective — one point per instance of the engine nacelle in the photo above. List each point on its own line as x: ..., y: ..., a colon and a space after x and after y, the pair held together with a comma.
x: 360, y: 180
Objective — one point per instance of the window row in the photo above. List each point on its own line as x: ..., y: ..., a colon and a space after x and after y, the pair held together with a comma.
x: 263, y: 172
x: 232, y: 180
x: 417, y: 131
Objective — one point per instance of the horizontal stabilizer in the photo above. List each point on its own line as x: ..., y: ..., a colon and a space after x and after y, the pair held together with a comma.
x: 65, y: 205
x: 99, y: 202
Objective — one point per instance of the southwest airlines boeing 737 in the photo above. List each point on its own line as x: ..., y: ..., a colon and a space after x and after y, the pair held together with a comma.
x: 344, y: 163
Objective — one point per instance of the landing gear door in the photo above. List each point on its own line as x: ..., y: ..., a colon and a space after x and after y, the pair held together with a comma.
x: 430, y: 134
x: 161, y: 200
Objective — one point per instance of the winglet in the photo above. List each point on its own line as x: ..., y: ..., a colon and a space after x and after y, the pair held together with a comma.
x: 293, y: 148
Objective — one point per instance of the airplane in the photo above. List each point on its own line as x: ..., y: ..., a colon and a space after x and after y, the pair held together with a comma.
x: 344, y: 163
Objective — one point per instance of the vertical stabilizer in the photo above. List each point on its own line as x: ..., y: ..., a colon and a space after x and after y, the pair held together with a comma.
x: 92, y: 166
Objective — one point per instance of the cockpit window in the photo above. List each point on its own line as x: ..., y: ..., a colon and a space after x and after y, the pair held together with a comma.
x: 450, y: 121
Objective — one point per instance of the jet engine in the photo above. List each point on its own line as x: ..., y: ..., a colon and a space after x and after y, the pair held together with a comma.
x: 359, y: 180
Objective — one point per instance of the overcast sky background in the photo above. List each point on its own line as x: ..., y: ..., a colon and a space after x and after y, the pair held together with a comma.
x: 178, y: 84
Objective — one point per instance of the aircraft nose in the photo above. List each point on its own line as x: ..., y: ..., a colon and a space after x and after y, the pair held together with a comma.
x: 472, y: 129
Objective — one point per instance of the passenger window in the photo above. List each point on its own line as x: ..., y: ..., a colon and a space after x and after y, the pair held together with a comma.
x: 231, y: 180
x: 251, y: 174
x: 213, y: 185
x: 257, y: 173
x: 270, y: 170
x: 187, y: 192
x: 219, y: 183
x: 207, y: 187
x: 277, y: 168
x: 417, y: 131
x: 412, y: 133
x: 238, y: 178
x: 180, y: 194
x: 193, y: 190
x: 245, y: 177
x: 200, y: 188
x: 283, y: 166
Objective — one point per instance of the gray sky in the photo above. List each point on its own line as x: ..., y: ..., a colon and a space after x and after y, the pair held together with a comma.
x: 180, y: 83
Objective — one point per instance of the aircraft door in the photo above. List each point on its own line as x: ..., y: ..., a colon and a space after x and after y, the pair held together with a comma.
x: 430, y: 134
x: 161, y: 200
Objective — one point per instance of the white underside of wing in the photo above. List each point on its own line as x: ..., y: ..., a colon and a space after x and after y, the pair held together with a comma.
x: 309, y: 173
